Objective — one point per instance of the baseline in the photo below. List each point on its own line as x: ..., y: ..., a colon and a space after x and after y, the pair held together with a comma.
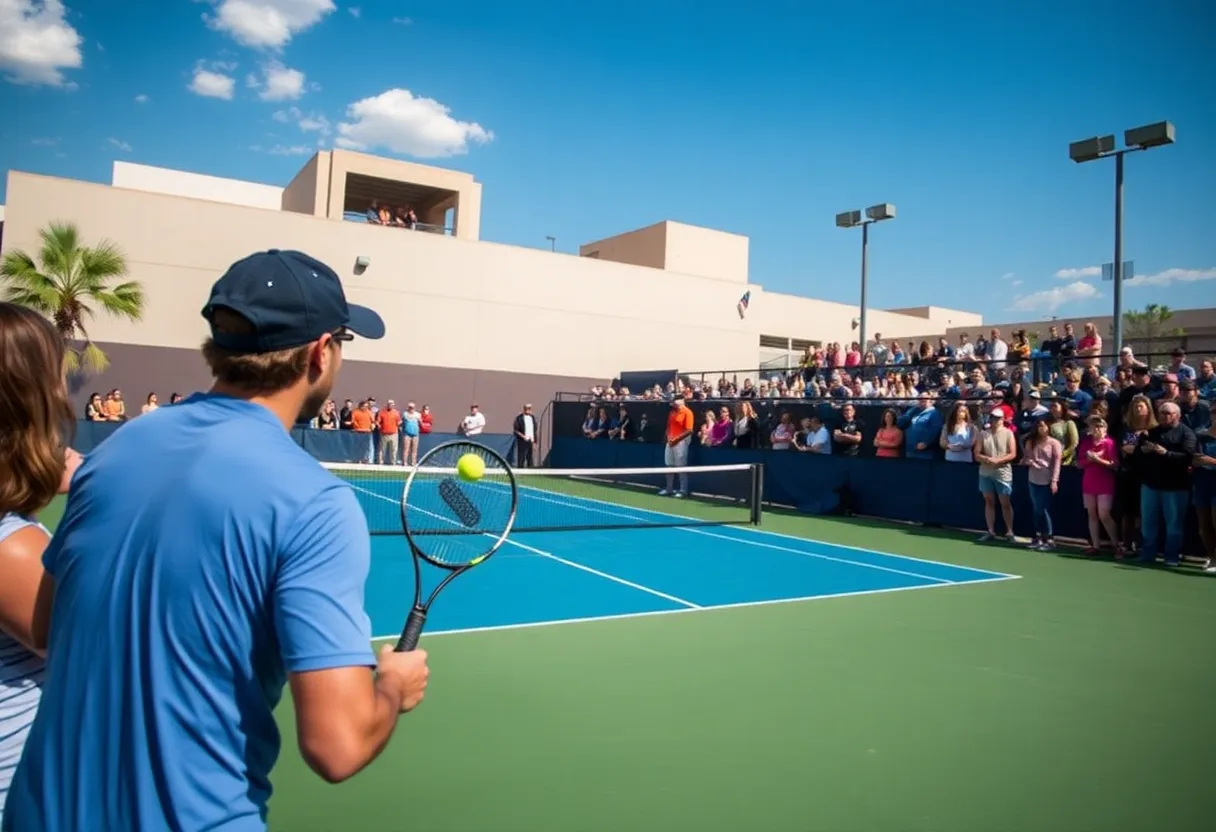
x: 708, y: 608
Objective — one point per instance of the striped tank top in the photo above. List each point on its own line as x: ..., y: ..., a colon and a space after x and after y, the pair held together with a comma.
x: 21, y: 677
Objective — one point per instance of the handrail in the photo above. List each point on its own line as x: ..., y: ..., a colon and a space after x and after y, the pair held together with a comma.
x: 430, y: 228
x: 1106, y: 361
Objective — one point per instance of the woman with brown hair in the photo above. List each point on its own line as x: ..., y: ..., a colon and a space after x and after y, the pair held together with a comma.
x: 37, y: 465
x: 1138, y: 420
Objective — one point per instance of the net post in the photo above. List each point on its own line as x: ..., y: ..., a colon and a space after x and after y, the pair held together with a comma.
x: 757, y: 492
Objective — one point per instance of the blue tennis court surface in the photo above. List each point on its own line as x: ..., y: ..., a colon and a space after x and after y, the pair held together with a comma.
x: 576, y: 575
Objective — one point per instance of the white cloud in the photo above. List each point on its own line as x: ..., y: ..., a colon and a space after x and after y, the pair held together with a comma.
x: 119, y: 144
x: 355, y: 11
x: 45, y: 142
x: 309, y: 123
x: 405, y: 124
x: 1016, y: 283
x: 1084, y: 271
x: 266, y: 23
x: 212, y: 84
x: 141, y: 99
x: 1049, y: 300
x: 284, y: 150
x: 37, y: 43
x: 278, y: 83
x: 1007, y: 276
x: 403, y: 21
x: 1169, y: 276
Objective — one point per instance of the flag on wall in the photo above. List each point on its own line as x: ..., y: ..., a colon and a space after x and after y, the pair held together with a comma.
x: 743, y: 301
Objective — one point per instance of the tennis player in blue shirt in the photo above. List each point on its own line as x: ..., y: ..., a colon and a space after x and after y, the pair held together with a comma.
x: 204, y: 561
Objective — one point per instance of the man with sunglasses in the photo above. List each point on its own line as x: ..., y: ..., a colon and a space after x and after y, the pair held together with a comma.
x: 204, y: 561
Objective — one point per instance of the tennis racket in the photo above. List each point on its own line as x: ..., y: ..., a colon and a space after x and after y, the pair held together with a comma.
x: 452, y: 521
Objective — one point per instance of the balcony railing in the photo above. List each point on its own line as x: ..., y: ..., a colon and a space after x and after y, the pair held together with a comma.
x: 355, y: 216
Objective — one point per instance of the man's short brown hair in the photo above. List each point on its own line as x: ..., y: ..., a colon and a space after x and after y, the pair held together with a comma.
x: 264, y: 373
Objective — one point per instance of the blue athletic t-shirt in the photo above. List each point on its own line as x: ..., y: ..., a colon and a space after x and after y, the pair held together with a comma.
x: 202, y: 556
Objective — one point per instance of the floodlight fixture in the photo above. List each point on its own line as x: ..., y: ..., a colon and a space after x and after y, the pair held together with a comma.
x: 1087, y: 150
x: 882, y: 211
x: 1151, y: 135
x: 852, y: 219
x: 1099, y: 147
x: 848, y: 219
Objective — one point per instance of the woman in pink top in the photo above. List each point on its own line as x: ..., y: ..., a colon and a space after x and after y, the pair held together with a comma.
x: 723, y: 431
x: 1042, y: 454
x: 889, y: 437
x: 1098, y: 457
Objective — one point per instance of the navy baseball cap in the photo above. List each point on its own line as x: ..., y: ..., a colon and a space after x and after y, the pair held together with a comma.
x: 290, y: 298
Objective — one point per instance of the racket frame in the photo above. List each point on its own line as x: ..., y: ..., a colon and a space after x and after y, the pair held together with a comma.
x: 416, y: 620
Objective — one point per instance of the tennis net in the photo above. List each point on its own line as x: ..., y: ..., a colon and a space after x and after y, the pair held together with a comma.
x: 573, y: 499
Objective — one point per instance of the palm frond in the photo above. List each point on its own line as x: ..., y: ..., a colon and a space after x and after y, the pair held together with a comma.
x: 60, y: 244
x: 71, y: 361
x: 103, y: 261
x: 93, y: 359
x: 124, y: 300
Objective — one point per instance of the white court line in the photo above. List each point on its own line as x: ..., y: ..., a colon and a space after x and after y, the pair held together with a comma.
x: 606, y: 576
x: 528, y: 625
x: 754, y: 530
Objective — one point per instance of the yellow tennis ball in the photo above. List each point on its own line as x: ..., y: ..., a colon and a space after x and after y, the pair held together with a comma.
x: 471, y: 467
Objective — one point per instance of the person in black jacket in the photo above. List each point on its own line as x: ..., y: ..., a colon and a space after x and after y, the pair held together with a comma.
x: 527, y: 432
x: 1164, y: 457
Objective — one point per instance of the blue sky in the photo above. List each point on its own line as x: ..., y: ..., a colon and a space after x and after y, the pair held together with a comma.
x: 583, y: 120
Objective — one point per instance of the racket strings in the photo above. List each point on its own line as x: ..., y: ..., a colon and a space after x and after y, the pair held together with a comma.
x: 455, y: 520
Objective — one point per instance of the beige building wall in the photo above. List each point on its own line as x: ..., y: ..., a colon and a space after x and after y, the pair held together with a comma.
x: 641, y: 247
x: 677, y: 247
x: 195, y: 185
x: 447, y: 302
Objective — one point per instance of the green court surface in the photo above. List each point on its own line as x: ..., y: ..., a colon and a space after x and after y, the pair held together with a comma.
x: 1078, y: 697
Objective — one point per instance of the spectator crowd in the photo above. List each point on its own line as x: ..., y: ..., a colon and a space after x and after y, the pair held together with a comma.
x: 1140, y: 435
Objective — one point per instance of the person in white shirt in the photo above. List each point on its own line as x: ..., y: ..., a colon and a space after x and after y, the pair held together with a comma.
x: 474, y: 423
x: 998, y: 351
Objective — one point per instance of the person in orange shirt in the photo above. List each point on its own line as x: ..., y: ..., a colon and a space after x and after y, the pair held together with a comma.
x: 361, y: 426
x: 679, y: 437
x: 388, y: 420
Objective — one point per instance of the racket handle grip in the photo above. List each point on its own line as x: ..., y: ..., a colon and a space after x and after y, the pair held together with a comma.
x: 413, y: 630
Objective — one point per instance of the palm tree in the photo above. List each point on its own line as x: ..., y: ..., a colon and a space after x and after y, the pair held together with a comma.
x: 72, y: 280
x: 1149, y: 331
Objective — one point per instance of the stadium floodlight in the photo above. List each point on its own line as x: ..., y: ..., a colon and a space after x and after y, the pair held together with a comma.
x: 1087, y: 150
x: 1151, y: 135
x: 882, y: 211
x: 852, y: 219
x: 1100, y: 147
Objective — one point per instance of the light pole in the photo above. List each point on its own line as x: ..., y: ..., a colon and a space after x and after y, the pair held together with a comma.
x: 852, y: 219
x: 1099, y: 147
x: 552, y: 243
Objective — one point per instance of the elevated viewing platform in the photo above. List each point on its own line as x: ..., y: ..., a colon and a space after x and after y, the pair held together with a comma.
x: 337, y: 185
